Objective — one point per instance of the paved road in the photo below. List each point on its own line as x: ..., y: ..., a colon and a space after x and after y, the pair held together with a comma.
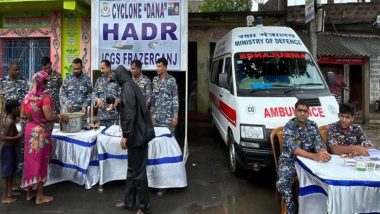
x: 212, y: 189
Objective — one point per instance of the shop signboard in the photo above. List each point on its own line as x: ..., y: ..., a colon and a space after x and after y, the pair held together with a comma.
x: 309, y: 10
x: 33, y: 20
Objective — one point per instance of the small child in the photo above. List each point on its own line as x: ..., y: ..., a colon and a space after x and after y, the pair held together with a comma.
x: 8, y: 152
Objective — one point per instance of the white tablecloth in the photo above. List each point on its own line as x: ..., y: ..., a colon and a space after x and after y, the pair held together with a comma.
x: 74, y: 158
x: 165, y: 168
x: 334, y: 188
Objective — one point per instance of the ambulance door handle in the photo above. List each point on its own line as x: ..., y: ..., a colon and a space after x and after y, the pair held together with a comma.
x: 220, y: 95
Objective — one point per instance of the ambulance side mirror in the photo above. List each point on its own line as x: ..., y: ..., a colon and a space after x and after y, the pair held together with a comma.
x: 330, y: 79
x: 222, y: 80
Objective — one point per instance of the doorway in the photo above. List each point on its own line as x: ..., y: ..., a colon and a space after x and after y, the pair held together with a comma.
x: 356, y: 86
x: 192, y: 71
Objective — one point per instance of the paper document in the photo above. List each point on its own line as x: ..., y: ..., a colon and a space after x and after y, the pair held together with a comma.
x: 374, y: 154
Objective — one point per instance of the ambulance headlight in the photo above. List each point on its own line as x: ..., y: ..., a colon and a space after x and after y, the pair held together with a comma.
x: 252, y: 132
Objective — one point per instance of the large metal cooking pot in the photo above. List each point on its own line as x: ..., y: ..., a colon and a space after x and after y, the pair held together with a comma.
x: 74, y: 124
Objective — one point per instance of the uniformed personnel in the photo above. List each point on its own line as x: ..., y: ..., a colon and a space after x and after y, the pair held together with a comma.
x: 142, y: 81
x: 106, y: 95
x: 301, y: 138
x: 164, y: 101
x: 345, y: 137
x: 14, y: 86
x: 54, y: 82
x: 76, y: 91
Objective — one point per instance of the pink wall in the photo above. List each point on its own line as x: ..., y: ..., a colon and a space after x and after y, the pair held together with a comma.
x: 53, y: 32
x: 85, y: 44
x: 1, y: 57
x: 55, y: 41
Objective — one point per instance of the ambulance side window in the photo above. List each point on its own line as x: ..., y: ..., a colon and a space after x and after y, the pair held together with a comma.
x: 217, y: 68
x: 214, y: 72
x: 228, y: 70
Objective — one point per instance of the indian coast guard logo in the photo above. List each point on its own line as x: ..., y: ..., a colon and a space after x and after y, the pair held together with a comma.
x: 105, y: 9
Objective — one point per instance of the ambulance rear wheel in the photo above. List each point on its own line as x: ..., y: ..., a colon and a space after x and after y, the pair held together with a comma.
x: 234, y: 164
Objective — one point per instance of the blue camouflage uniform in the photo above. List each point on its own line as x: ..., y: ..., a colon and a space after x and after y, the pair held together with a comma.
x: 164, y: 101
x: 107, y: 88
x: 14, y: 89
x: 145, y: 85
x: 76, y: 91
x: 354, y: 136
x: 308, y: 139
x: 53, y: 85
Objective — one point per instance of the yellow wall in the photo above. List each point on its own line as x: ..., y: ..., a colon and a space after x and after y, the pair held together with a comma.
x: 70, y: 41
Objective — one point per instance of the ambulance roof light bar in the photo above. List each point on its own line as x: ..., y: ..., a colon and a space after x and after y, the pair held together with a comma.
x: 259, y: 21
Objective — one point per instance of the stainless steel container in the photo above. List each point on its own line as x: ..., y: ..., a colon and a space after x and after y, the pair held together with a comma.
x: 74, y: 124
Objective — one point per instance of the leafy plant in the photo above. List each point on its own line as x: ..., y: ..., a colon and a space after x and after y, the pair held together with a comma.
x: 71, y: 34
x: 68, y: 68
x: 225, y: 5
x: 71, y: 50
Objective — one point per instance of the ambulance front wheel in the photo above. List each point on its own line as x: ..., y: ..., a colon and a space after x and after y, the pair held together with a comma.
x: 234, y: 164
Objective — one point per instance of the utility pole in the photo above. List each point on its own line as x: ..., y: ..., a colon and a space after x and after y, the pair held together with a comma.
x: 313, y: 38
x: 313, y: 33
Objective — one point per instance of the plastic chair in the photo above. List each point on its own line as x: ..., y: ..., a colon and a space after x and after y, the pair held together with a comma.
x: 277, y: 141
x: 276, y: 136
x: 323, y: 131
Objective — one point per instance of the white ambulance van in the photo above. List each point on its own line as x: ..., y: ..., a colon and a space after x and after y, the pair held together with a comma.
x: 257, y: 75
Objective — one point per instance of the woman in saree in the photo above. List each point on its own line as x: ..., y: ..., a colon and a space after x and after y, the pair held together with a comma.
x: 37, y: 111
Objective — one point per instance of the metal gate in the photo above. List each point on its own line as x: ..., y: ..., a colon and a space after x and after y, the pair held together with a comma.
x: 29, y: 53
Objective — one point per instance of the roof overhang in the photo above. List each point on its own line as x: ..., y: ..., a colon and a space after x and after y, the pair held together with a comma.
x: 23, y: 6
x: 232, y: 19
x: 345, y: 45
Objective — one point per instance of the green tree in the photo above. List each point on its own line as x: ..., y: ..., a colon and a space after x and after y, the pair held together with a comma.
x: 225, y: 5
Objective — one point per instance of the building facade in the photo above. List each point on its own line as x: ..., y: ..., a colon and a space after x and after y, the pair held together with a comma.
x: 352, y: 49
x: 58, y: 29
x: 348, y: 45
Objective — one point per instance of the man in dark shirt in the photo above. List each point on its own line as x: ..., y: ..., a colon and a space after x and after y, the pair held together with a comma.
x: 137, y: 128
x: 344, y: 137
x: 301, y: 138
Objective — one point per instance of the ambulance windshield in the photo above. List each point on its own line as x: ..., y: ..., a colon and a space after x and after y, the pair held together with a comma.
x: 276, y: 70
